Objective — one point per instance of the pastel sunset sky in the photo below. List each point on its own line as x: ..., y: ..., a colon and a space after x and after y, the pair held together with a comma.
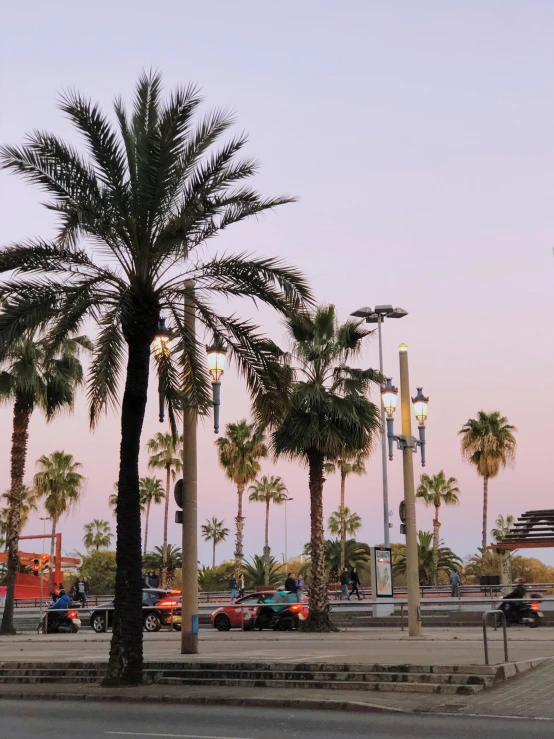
x: 418, y: 138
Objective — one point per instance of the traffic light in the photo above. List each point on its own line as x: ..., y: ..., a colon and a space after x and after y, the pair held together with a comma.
x: 35, y: 567
x: 178, y: 493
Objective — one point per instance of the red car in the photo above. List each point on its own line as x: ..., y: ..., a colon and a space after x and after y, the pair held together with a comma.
x: 259, y: 610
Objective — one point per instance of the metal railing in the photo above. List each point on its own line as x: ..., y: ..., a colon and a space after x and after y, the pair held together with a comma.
x: 495, y: 614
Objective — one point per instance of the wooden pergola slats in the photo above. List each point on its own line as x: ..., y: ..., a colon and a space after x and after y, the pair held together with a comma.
x: 532, y: 529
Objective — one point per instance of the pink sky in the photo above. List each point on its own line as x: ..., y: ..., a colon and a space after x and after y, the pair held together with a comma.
x: 418, y: 138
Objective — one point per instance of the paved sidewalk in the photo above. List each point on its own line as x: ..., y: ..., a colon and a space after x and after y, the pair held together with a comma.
x: 386, y: 646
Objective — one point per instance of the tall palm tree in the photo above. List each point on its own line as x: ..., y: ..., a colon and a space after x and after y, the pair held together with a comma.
x: 268, y: 490
x: 151, y: 491
x: 165, y: 454
x: 488, y: 443
x: 239, y: 454
x: 324, y: 416
x: 35, y: 373
x: 98, y: 535
x: 60, y: 483
x: 448, y: 561
x: 343, y: 522
x: 135, y: 213
x: 436, y: 491
x: 214, y: 531
x: 348, y: 466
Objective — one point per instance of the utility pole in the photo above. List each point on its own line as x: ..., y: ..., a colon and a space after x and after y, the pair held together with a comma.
x: 412, y: 567
x: 189, y: 587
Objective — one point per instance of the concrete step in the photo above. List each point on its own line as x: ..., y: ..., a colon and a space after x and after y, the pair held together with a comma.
x: 388, y: 687
x: 323, y: 677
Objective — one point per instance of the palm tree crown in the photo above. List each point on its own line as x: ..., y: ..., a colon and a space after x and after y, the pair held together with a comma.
x: 488, y: 443
x: 98, y: 535
x: 134, y: 214
x: 324, y: 416
x: 343, y: 522
x: 215, y: 531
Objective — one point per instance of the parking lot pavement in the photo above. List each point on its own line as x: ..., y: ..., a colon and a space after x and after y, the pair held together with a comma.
x: 365, y: 646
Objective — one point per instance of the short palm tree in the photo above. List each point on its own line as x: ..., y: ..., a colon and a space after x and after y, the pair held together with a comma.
x: 325, y: 415
x: 502, y: 527
x: 173, y: 561
x: 255, y: 573
x: 351, y: 466
x: 214, y: 531
x: 165, y: 454
x: 357, y: 554
x: 239, y: 454
x: 342, y: 522
x: 448, y: 562
x: 268, y: 490
x: 136, y: 211
x: 98, y: 535
x: 60, y: 483
x: 34, y: 374
x: 151, y: 491
x: 488, y: 443
x: 436, y: 491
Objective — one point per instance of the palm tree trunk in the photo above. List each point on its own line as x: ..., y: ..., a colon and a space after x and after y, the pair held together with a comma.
x: 485, y: 506
x: 52, y: 566
x: 20, y: 435
x: 436, y: 527
x: 318, y: 619
x: 239, y: 549
x: 146, y: 525
x: 266, y: 547
x: 126, y: 656
x: 166, y: 515
x: 343, y: 520
x: 213, y: 558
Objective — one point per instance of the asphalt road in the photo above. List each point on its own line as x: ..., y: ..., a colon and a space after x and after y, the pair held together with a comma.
x: 30, y: 720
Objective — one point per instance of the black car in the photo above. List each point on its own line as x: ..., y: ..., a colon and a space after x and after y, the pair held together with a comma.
x: 158, y: 607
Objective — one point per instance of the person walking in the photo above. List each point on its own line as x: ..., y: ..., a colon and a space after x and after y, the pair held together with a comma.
x: 455, y: 583
x: 355, y: 581
x: 241, y: 586
x: 345, y: 581
x: 233, y: 588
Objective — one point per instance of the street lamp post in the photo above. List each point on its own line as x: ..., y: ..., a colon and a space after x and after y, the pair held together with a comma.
x: 408, y: 444
x: 287, y: 500
x: 378, y: 316
x: 161, y: 345
x: 216, y: 362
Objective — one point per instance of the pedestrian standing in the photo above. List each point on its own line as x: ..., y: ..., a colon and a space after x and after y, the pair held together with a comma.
x: 233, y: 588
x: 345, y: 581
x: 241, y: 586
x: 155, y: 580
x: 354, y: 582
x: 455, y: 583
x: 290, y: 583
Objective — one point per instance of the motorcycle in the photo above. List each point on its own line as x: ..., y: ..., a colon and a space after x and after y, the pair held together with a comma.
x: 60, y: 622
x: 527, y: 613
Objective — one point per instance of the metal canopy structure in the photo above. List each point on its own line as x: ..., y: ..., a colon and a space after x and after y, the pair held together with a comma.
x: 534, y: 529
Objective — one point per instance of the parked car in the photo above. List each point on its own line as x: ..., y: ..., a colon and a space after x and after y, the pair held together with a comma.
x: 159, y: 608
x: 258, y: 609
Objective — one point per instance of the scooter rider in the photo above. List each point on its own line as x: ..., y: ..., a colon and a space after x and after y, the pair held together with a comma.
x: 518, y: 593
x: 62, y: 604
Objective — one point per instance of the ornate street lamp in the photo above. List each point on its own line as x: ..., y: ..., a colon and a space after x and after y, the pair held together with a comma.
x: 420, y: 403
x: 216, y: 362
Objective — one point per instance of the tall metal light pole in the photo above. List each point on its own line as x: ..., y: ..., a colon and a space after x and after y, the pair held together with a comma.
x: 378, y: 316
x: 408, y: 444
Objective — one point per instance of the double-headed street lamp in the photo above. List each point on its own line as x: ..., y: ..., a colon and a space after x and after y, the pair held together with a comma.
x: 408, y: 444
x: 377, y: 316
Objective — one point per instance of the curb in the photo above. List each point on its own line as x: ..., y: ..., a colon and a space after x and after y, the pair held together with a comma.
x: 303, y: 703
